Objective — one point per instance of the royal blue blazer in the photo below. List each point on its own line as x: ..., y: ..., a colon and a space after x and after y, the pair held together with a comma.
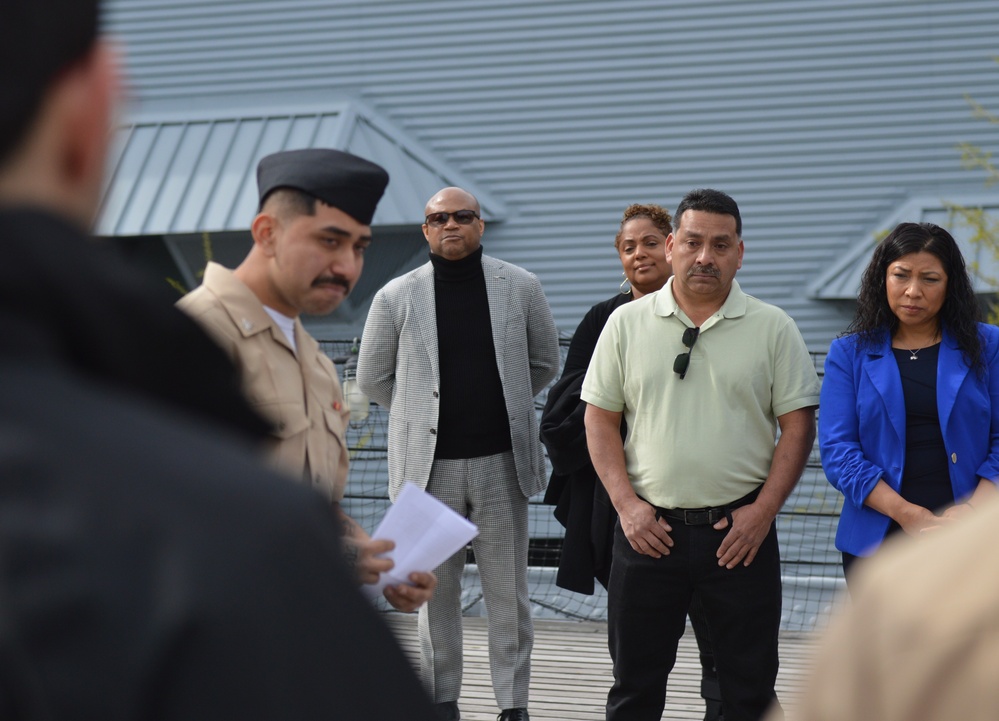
x: 862, y: 427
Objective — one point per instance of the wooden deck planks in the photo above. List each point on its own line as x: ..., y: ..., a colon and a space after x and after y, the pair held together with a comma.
x: 571, y: 670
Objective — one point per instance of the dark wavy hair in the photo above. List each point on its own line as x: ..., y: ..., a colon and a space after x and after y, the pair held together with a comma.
x: 659, y: 216
x: 960, y: 311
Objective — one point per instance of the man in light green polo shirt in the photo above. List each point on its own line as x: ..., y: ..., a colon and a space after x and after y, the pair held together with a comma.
x: 704, y: 375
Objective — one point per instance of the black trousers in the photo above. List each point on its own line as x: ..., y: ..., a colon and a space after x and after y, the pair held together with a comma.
x: 648, y: 599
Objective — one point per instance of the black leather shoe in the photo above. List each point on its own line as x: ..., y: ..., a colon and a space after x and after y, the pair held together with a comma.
x: 448, y: 711
x: 514, y: 714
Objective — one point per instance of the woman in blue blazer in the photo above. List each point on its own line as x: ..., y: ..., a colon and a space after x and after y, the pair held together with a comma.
x: 909, y: 414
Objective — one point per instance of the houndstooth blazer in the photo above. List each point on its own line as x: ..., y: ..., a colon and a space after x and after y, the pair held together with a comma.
x: 397, y: 366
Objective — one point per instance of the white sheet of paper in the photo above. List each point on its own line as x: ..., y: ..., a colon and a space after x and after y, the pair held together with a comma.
x: 426, y: 533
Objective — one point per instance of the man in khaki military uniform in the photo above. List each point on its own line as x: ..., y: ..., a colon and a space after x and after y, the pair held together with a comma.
x: 309, y: 239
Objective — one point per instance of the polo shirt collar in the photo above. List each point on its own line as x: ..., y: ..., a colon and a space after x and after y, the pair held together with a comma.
x: 733, y: 307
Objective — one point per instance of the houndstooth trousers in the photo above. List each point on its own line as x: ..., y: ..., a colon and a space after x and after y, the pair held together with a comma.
x: 486, y: 491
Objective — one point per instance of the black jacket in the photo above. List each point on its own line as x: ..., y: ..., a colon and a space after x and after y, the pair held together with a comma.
x: 582, y: 505
x: 150, y: 568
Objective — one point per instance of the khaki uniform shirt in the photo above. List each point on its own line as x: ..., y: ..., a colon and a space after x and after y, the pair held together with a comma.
x: 299, y: 393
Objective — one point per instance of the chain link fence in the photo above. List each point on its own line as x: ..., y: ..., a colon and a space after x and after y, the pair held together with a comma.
x: 811, y: 566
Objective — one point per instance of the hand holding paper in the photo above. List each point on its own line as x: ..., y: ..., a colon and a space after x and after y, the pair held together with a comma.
x: 426, y: 533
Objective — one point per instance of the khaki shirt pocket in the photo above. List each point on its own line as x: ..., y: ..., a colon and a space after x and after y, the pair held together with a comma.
x: 288, y: 419
x: 287, y: 444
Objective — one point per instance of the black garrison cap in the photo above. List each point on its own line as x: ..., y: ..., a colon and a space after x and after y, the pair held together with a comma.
x: 40, y: 38
x: 344, y: 181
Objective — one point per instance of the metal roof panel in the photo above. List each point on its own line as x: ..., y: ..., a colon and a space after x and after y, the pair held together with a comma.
x: 841, y: 281
x: 174, y: 175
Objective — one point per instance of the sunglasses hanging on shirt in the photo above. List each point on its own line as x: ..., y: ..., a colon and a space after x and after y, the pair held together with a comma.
x: 682, y: 361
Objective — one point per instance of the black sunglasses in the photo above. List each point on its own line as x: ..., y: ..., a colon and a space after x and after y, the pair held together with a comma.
x: 461, y: 217
x: 682, y: 361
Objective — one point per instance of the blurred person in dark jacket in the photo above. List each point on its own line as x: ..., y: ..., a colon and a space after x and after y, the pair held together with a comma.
x: 149, y: 566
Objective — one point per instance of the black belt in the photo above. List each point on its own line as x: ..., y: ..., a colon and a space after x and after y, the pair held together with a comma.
x: 706, y: 516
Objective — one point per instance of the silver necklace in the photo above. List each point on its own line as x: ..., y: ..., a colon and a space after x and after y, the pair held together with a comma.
x: 913, y: 352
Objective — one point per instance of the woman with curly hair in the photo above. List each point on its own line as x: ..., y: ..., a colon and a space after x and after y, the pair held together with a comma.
x: 582, y: 505
x: 909, y: 413
x: 641, y: 246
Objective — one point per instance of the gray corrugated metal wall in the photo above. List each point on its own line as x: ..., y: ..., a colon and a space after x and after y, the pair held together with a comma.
x: 819, y: 118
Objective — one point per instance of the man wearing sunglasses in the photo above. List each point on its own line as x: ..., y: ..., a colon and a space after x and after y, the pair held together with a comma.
x: 456, y: 350
x: 704, y: 375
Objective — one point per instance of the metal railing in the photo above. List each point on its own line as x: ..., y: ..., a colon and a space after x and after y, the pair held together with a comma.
x: 811, y: 566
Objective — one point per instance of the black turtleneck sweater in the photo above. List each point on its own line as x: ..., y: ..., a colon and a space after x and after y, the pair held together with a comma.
x: 473, y: 420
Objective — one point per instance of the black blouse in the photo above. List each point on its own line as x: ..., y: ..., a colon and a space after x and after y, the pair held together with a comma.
x: 925, y: 476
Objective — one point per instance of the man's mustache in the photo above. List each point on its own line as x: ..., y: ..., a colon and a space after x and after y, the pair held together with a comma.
x: 332, y: 280
x: 704, y: 270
